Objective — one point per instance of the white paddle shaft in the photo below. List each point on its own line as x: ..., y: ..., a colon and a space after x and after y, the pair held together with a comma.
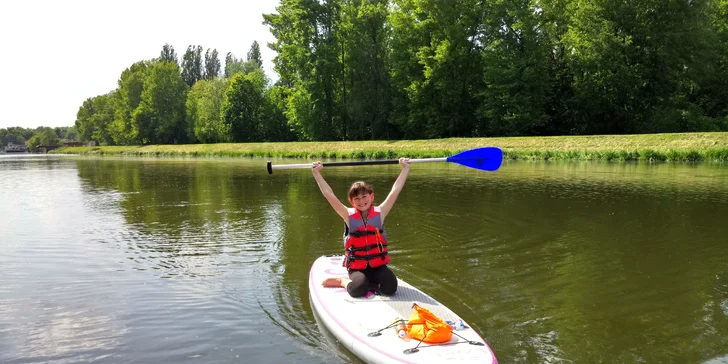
x: 272, y: 167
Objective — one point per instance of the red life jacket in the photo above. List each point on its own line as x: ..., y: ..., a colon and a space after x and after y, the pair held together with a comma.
x: 365, y: 243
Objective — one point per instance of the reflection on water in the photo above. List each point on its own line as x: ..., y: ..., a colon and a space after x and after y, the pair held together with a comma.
x: 177, y: 260
x: 84, y: 332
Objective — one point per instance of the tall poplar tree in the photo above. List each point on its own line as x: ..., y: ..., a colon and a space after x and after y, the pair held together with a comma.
x: 192, y: 70
x: 254, y: 54
x: 232, y: 65
x: 365, y: 81
x: 308, y: 45
x: 168, y: 54
x: 212, y: 64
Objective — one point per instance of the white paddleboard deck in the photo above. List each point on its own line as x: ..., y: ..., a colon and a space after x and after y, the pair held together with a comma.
x: 350, y: 320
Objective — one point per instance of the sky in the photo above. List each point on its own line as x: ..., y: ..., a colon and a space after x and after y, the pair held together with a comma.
x: 56, y: 54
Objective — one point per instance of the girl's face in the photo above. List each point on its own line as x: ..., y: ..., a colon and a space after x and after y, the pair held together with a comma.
x: 362, y: 201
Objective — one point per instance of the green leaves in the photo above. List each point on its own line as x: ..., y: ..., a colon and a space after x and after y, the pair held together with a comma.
x: 212, y: 64
x: 387, y: 69
x: 126, y: 100
x: 148, y: 106
x: 160, y: 116
x: 168, y: 54
x: 95, y: 117
x: 204, y: 111
x: 254, y: 54
x: 243, y: 108
x: 436, y: 66
x: 192, y: 70
x: 309, y: 44
x: 635, y: 63
x: 43, y: 136
x: 515, y: 70
x: 366, y: 89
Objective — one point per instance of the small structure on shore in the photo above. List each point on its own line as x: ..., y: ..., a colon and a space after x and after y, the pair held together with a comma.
x: 15, y: 148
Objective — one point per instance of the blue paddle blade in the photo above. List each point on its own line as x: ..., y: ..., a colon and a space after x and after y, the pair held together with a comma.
x: 487, y: 158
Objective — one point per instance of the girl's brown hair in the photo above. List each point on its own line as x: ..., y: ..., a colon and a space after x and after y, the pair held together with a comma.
x: 359, y: 187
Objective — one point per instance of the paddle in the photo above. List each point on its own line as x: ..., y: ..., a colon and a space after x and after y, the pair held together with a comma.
x: 486, y: 159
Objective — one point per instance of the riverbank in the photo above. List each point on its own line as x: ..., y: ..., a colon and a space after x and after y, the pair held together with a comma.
x: 676, y: 147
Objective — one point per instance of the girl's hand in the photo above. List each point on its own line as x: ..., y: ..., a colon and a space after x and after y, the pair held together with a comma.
x: 317, y: 165
x: 404, y: 162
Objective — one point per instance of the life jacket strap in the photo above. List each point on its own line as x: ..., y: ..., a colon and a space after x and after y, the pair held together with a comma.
x: 367, y: 257
x: 357, y: 234
x: 367, y: 247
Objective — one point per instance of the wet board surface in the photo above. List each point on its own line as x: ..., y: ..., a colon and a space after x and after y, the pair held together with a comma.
x: 350, y: 320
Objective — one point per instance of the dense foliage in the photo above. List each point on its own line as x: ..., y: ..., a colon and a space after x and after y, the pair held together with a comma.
x: 392, y: 69
x: 43, y: 135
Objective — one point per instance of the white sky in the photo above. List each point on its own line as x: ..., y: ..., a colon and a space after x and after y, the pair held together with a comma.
x: 56, y: 54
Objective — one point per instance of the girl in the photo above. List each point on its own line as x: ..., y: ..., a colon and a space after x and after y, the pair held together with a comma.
x: 365, y: 241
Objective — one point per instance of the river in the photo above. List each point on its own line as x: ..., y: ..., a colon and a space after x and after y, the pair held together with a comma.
x: 145, y: 260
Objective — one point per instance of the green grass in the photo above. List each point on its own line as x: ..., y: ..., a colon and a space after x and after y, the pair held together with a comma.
x: 677, y: 147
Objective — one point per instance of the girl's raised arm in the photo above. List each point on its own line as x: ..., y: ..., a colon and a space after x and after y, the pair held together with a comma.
x: 339, y: 207
x: 388, y: 203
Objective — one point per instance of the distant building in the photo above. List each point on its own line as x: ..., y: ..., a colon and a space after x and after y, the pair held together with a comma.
x: 15, y: 148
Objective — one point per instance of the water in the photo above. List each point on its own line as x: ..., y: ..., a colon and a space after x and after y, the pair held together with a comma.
x: 127, y: 260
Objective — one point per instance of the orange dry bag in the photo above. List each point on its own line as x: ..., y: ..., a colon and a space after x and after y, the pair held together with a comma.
x: 425, y: 326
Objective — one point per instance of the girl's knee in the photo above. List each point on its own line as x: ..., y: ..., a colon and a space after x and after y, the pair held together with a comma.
x: 388, y: 288
x: 357, y: 290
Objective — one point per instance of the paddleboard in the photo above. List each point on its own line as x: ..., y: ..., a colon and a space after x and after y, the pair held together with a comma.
x: 353, y: 320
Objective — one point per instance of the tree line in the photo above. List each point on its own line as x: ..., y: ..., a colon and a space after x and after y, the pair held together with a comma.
x: 163, y: 101
x: 37, y: 136
x: 392, y: 69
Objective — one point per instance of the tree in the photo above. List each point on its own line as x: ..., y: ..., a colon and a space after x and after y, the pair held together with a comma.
x: 300, y: 115
x: 95, y: 117
x: 274, y: 125
x: 15, y: 135
x: 168, y: 54
x: 366, y: 82
x: 308, y: 45
x: 212, y: 64
x: 232, y: 65
x: 704, y: 106
x: 204, y: 110
x: 83, y: 119
x: 436, y: 65
x: 160, y: 117
x: 515, y: 70
x: 72, y: 133
x: 192, y: 65
x: 555, y: 19
x: 243, y: 108
x: 126, y: 101
x: 254, y: 54
x: 637, y: 65
x: 43, y: 136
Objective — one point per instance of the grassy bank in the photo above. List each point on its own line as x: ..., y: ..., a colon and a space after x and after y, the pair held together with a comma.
x: 709, y: 147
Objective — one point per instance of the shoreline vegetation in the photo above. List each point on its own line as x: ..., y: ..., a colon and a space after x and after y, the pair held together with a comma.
x: 673, y: 147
